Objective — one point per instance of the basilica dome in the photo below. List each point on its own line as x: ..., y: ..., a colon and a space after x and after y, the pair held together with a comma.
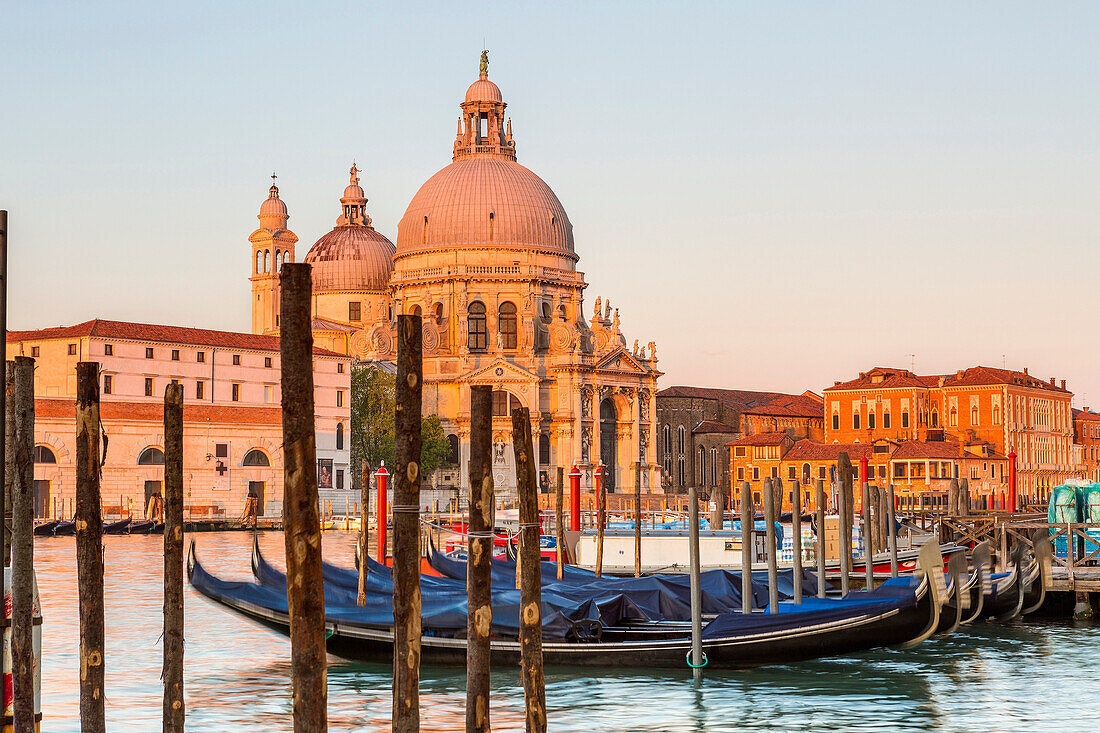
x: 485, y: 201
x: 353, y: 256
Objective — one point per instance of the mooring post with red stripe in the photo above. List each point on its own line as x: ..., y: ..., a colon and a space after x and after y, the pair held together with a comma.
x: 381, y: 478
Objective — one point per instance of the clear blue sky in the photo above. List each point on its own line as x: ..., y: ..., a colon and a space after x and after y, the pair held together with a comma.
x: 778, y: 194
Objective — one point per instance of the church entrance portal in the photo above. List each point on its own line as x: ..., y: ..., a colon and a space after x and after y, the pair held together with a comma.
x: 608, y: 443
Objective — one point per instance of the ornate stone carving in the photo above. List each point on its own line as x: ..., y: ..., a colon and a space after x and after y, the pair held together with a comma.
x: 586, y: 441
x: 586, y: 401
x: 643, y: 445
x: 627, y: 392
x: 643, y: 403
x: 382, y: 342
x: 360, y: 344
x: 561, y: 337
x: 605, y: 391
x: 429, y: 338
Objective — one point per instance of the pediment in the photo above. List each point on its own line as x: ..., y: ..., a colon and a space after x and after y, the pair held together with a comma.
x: 499, y: 372
x: 621, y: 361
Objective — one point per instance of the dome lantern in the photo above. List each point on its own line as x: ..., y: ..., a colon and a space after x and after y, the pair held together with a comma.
x: 481, y: 129
x: 273, y: 215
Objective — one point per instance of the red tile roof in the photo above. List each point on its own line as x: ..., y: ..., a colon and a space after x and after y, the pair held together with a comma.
x: 761, y: 439
x: 183, y: 335
x: 154, y: 412
x: 739, y: 398
x: 1088, y: 416
x: 969, y: 377
x: 810, y: 450
x: 713, y: 426
x: 790, y: 406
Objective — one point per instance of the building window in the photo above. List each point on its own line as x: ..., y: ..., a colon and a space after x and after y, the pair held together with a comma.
x: 236, y: 360
x: 701, y: 469
x: 680, y: 439
x: 899, y: 470
x: 668, y: 439
x: 200, y: 389
x: 740, y: 474
x: 355, y: 311
x: 713, y: 466
x: 871, y: 420
x: 236, y: 392
x: 339, y: 398
x: 823, y: 472
x: 680, y: 471
x: 755, y: 473
x: 855, y: 421
x: 792, y: 473
x: 108, y: 383
x: 954, y: 418
x: 339, y: 479
x: 175, y: 354
x: 836, y: 421
x: 544, y: 449
x: 996, y: 415
x: 340, y: 367
x: 739, y: 451
x: 339, y: 436
x: 108, y: 350
x: 151, y: 457
x: 775, y: 471
x: 973, y: 415
x: 42, y: 454
x: 269, y: 393
x: 478, y: 334
x: 267, y: 362
x: 255, y: 457
x: 72, y: 349
x: 148, y: 386
x: 506, y: 323
x: 886, y: 420
x: 200, y: 356
x: 504, y: 403
x: 148, y: 352
x: 905, y: 419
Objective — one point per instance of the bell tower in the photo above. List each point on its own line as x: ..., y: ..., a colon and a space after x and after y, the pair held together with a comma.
x: 272, y: 245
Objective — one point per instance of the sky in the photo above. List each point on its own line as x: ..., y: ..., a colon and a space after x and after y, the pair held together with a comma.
x: 779, y: 194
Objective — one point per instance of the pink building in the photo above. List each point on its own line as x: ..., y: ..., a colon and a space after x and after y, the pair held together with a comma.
x: 232, y: 415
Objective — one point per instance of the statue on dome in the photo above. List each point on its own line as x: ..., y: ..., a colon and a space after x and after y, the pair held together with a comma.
x: 599, y: 310
x: 354, y: 174
x: 484, y: 63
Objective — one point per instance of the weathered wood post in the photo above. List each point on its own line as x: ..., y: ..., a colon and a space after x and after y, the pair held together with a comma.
x: 9, y: 458
x: 479, y: 607
x: 868, y: 538
x: 769, y: 539
x: 89, y: 548
x: 364, y: 521
x: 22, y: 549
x: 5, y: 375
x: 638, y: 520
x: 796, y: 539
x: 696, y: 585
x: 559, y: 496
x: 717, y: 509
x: 172, y: 669
x: 892, y: 531
x: 844, y: 497
x: 963, y: 509
x: 530, y: 631
x: 820, y: 538
x: 601, y: 516
x: 301, y: 520
x: 406, y: 526
x: 746, y: 547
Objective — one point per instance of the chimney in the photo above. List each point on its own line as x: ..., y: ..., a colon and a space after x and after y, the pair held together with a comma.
x: 1025, y: 371
x: 1063, y: 384
x: 1052, y: 381
x: 836, y: 383
x: 959, y: 374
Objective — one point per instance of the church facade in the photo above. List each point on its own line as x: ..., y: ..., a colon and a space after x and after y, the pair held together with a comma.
x: 485, y: 256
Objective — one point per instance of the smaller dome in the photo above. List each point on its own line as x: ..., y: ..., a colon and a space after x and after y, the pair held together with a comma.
x: 483, y: 90
x: 273, y: 205
x: 354, y: 258
x: 354, y: 191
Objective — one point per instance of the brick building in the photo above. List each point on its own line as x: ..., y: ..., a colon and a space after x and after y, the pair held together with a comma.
x: 1008, y: 410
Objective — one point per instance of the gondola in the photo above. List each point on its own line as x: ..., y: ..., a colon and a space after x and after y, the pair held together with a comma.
x: 118, y: 527
x: 64, y: 529
x: 1005, y: 597
x: 45, y: 529
x: 142, y: 526
x: 902, y: 611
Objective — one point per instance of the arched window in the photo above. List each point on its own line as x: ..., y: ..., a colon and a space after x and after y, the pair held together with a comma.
x: 416, y: 311
x: 286, y: 256
x: 478, y: 338
x: 680, y: 439
x: 504, y: 403
x: 259, y: 261
x: 935, y: 419
x: 151, y: 457
x: 954, y: 418
x: 563, y: 313
x: 267, y: 260
x: 278, y: 259
x: 701, y: 469
x: 544, y: 449
x: 668, y: 439
x: 452, y: 450
x: 973, y: 415
x: 255, y: 457
x: 42, y: 454
x: 713, y: 466
x: 546, y: 317
x: 437, y: 313
x: 506, y: 323
x: 680, y: 471
x: 339, y: 436
x: 805, y: 473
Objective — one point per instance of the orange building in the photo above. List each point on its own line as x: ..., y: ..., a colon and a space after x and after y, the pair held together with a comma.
x: 1009, y: 410
x: 802, y: 416
x: 1086, y: 436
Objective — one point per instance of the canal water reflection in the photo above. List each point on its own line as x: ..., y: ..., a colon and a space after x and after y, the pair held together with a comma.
x: 992, y: 677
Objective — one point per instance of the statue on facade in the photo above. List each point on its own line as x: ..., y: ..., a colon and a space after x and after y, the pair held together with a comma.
x: 615, y: 324
x: 500, y: 341
x: 598, y: 311
x: 607, y: 311
x: 635, y: 347
x: 652, y: 350
x: 484, y: 69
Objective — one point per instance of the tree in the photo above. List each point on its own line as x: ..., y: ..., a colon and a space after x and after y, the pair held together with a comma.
x: 373, y: 421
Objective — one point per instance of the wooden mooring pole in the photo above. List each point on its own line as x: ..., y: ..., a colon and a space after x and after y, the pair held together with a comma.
x: 796, y: 538
x: 9, y: 458
x: 530, y: 630
x: 844, y: 498
x: 364, y: 517
x: 5, y: 377
x: 559, y: 498
x: 638, y: 520
x: 820, y: 538
x: 406, y: 527
x: 770, y: 516
x: 89, y: 548
x: 22, y: 549
x: 172, y: 670
x: 301, y: 520
x: 479, y: 608
x: 747, y: 519
x: 696, y: 585
x: 892, y: 531
x: 868, y: 538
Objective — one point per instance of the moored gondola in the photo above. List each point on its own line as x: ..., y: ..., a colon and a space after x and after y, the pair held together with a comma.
x: 118, y: 527
x: 142, y: 526
x: 45, y: 529
x: 64, y: 529
x: 901, y: 611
